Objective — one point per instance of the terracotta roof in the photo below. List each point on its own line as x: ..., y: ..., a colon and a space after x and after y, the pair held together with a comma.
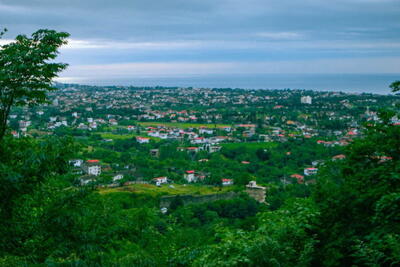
x: 297, y: 176
x: 340, y: 156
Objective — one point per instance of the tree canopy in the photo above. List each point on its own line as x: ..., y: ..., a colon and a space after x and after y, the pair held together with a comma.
x: 27, y: 70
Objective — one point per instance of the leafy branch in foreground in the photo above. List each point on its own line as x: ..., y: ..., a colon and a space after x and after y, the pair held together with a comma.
x: 27, y: 70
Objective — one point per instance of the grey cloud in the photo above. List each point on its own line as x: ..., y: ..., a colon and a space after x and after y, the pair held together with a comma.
x: 213, y: 30
x: 149, y: 20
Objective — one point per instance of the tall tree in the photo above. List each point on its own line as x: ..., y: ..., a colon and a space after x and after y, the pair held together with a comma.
x: 27, y: 71
x: 395, y: 86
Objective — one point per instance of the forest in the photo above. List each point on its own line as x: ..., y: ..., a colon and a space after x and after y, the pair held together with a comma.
x: 349, y: 217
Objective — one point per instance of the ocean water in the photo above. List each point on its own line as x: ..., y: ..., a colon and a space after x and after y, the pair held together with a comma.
x: 351, y: 83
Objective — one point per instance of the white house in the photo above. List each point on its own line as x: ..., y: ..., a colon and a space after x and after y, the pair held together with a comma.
x: 24, y: 124
x: 227, y: 128
x: 310, y: 171
x: 226, y: 182
x: 213, y: 149
x: 163, y: 135
x: 189, y: 176
x: 306, y: 100
x: 160, y: 180
x: 113, y: 122
x: 205, y: 131
x: 199, y: 140
x: 92, y: 167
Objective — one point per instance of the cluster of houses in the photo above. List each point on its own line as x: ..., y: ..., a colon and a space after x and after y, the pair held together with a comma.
x: 311, y: 171
x: 79, y: 106
x: 90, y: 169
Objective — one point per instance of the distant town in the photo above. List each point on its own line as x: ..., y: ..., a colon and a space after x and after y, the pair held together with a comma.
x: 124, y: 130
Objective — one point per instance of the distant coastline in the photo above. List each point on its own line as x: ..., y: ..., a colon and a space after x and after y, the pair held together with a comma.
x: 349, y: 83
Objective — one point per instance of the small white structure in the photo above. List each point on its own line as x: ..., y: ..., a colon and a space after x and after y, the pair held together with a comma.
x: 113, y: 122
x: 306, y: 100
x: 160, y: 180
x: 310, y: 171
x: 118, y: 177
x: 213, y: 149
x: 86, y: 181
x: 227, y: 128
x: 76, y: 162
x: 189, y: 176
x: 199, y: 140
x: 164, y: 210
x: 206, y: 131
x: 226, y: 182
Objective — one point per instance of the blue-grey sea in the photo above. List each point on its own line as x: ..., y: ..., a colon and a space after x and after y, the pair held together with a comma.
x: 351, y: 83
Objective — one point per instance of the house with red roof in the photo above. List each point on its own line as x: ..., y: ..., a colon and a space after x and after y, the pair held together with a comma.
x: 298, y: 177
x: 15, y: 134
x: 160, y: 180
x: 142, y: 140
x: 338, y: 157
x: 193, y: 149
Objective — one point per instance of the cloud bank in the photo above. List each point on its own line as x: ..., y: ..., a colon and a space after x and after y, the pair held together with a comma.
x: 186, y: 37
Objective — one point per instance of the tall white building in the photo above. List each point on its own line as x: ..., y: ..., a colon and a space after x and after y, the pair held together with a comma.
x: 92, y: 167
x: 306, y: 99
x: 189, y: 176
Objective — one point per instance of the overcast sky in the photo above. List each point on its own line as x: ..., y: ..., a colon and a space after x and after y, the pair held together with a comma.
x: 174, y: 38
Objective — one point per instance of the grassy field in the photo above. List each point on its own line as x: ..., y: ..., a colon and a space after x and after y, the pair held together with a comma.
x: 252, y: 145
x: 182, y: 124
x: 125, y: 136
x: 117, y: 136
x: 178, y: 189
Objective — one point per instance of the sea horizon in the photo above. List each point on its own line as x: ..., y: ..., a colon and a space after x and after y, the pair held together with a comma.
x: 348, y: 83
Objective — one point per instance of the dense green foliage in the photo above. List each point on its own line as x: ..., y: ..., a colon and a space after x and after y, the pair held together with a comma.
x: 26, y: 72
x: 350, y: 218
